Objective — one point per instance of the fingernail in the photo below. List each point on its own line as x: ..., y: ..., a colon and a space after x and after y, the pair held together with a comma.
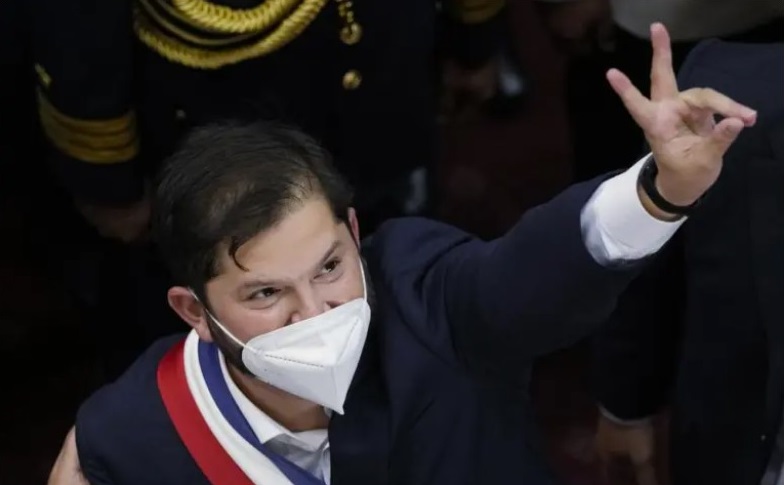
x: 749, y: 113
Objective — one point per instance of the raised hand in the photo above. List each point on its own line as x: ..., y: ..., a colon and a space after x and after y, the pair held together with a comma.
x: 686, y: 141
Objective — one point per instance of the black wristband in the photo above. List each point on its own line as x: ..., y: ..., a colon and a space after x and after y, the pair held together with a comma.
x: 647, y: 181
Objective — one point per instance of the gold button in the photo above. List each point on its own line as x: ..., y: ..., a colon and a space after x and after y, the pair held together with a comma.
x: 352, y: 79
x: 351, y: 33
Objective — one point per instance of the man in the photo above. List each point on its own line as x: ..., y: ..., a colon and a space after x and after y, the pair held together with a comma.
x: 285, y: 379
x: 121, y: 82
x: 701, y: 331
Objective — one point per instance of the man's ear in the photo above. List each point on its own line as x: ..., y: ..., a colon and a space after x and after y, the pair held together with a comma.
x: 353, y: 225
x: 190, y: 309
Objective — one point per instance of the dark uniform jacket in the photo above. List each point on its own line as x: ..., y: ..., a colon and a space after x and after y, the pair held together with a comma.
x: 120, y: 81
x: 440, y: 396
x: 703, y: 330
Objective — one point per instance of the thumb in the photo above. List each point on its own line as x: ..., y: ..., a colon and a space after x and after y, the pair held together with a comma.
x: 725, y: 133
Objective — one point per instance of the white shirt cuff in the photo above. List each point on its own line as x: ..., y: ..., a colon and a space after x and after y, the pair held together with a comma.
x: 616, y: 227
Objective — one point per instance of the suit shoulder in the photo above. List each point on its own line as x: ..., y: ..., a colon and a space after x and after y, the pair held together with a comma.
x: 117, y: 423
x: 411, y: 243
x: 132, y: 389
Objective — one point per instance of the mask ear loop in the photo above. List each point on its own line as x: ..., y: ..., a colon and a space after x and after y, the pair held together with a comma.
x: 364, y: 281
x: 218, y: 323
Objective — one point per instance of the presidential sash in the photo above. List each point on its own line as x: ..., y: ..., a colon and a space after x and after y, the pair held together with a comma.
x: 213, y: 428
x: 210, y: 456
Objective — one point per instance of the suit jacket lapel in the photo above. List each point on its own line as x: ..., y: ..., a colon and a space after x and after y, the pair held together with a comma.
x: 359, y: 440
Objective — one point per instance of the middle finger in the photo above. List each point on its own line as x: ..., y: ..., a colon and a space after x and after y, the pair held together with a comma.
x: 663, y: 81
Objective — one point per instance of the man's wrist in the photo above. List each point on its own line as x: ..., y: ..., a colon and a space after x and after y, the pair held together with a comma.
x: 653, y: 209
x: 665, y: 198
x: 674, y: 192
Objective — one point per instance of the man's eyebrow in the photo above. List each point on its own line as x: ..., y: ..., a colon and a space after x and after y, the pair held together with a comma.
x: 256, y: 284
x: 265, y: 283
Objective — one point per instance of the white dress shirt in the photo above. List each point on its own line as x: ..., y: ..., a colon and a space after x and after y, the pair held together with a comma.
x: 615, y: 227
x: 308, y: 450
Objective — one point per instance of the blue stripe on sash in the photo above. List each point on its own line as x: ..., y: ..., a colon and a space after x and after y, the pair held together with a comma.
x: 219, y: 390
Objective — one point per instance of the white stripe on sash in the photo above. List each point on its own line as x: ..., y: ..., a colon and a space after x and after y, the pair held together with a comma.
x: 256, y: 466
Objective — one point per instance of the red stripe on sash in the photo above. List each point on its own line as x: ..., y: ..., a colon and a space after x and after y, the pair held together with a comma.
x: 212, y: 459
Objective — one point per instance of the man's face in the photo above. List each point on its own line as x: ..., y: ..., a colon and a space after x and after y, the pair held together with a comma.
x: 300, y: 268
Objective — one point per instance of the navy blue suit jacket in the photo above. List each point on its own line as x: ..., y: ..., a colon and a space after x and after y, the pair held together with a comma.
x: 440, y: 395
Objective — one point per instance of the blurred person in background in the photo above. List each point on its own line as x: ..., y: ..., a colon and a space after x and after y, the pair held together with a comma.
x: 701, y: 332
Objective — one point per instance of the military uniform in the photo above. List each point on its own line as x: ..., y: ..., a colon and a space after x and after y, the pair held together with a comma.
x: 120, y: 81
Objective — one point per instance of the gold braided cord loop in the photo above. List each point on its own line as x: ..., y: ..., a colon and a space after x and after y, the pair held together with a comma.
x: 93, y: 141
x: 220, y: 18
x: 170, y: 27
x: 476, y: 11
x: 180, y: 53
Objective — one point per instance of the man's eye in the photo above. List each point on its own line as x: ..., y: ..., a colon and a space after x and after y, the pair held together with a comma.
x: 264, y: 293
x: 330, y: 266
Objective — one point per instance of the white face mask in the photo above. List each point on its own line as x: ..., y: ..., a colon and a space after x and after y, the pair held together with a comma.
x: 314, y: 359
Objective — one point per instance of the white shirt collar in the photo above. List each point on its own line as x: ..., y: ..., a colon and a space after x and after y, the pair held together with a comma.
x: 267, y: 429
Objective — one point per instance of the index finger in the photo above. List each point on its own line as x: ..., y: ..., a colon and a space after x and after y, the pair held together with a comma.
x: 711, y: 100
x: 636, y: 104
